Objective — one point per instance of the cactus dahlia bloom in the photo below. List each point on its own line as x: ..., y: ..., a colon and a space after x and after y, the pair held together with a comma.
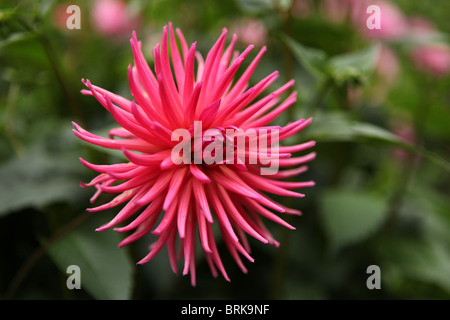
x: 179, y: 198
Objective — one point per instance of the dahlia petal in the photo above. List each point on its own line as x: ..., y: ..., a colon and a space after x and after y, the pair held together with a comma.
x: 268, y: 186
x: 167, y: 71
x: 149, y: 80
x: 137, y: 170
x: 200, y: 197
x: 123, y: 103
x: 209, y: 113
x: 255, y: 222
x: 215, y: 254
x: 167, y: 220
x: 188, y: 243
x: 134, y: 144
x: 174, y: 186
x: 151, y: 108
x: 120, y: 133
x: 146, y: 159
x: 184, y: 46
x: 241, y: 84
x: 294, y: 185
x: 295, y: 127
x: 202, y: 229
x: 221, y: 214
x: 236, y: 187
x: 162, y: 239
x: 151, y: 212
x: 170, y: 110
x: 200, y: 66
x: 192, y: 266
x: 159, y: 186
x: 263, y: 229
x: 266, y: 213
x: 129, y: 184
x: 184, y: 212
x: 228, y: 75
x: 212, y: 60
x: 234, y: 254
x: 276, y: 112
x: 127, y: 121
x: 235, y: 247
x: 143, y: 229
x: 121, y: 167
x: 121, y: 198
x: 298, y: 147
x: 228, y: 203
x: 255, y: 110
x: 127, y: 211
x: 189, y: 76
x: 171, y: 243
x: 199, y: 174
x: 176, y: 60
x: 226, y: 57
x: 297, y: 160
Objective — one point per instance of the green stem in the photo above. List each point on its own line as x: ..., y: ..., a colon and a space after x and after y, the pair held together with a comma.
x: 13, y: 94
x: 407, y: 172
x: 279, y: 268
x: 319, y: 97
x: 39, y: 252
x: 56, y: 68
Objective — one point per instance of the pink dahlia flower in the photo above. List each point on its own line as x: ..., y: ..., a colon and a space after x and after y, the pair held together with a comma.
x: 188, y: 194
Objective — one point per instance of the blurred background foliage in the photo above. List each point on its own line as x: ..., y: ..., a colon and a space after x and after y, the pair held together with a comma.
x: 381, y: 108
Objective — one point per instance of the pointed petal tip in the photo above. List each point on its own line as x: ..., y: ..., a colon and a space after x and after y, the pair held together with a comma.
x: 102, y: 228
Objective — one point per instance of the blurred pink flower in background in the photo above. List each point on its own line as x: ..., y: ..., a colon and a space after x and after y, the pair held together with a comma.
x: 337, y: 11
x: 112, y: 18
x: 420, y: 26
x: 387, y: 65
x: 302, y: 8
x: 250, y: 31
x: 60, y: 16
x: 393, y: 22
x: 429, y: 55
x: 387, y: 69
x: 406, y: 132
x: 433, y: 58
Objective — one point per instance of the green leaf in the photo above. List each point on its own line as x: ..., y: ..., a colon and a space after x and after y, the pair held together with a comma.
x: 337, y: 127
x: 350, y: 216
x: 425, y: 261
x: 7, y: 14
x: 106, y: 271
x: 39, y: 178
x: 313, y: 60
x: 353, y: 67
x: 255, y: 6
